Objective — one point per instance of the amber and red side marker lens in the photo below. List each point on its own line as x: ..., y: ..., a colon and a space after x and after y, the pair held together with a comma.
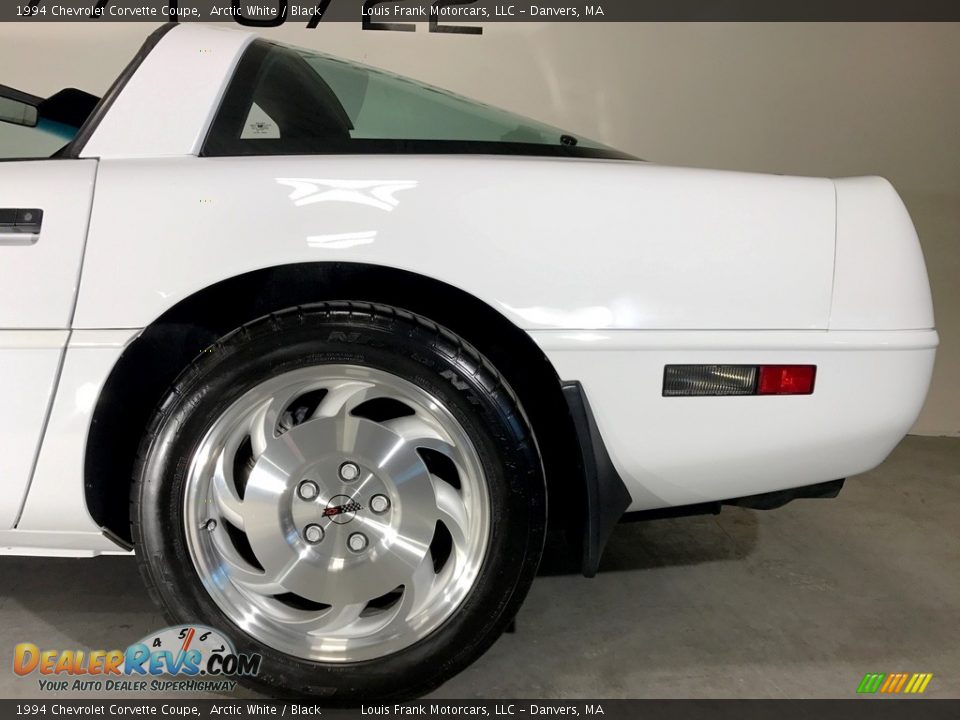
x: 726, y: 380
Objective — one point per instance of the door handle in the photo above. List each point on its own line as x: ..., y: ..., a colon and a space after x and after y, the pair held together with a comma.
x: 20, y: 226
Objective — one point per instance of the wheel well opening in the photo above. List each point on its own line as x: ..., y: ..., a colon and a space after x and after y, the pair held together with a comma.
x: 149, y: 366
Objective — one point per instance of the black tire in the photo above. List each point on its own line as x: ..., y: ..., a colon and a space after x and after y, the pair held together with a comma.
x: 384, y: 338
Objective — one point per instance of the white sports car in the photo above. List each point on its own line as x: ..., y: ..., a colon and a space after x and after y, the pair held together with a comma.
x: 322, y: 344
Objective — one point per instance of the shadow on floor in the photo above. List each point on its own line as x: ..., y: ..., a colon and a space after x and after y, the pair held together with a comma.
x: 652, y: 544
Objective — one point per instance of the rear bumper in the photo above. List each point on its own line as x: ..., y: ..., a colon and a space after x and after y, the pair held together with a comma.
x: 673, y: 451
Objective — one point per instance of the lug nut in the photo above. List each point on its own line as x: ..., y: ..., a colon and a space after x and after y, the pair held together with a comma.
x: 379, y: 503
x: 313, y: 533
x: 349, y: 471
x: 357, y: 542
x: 307, y: 490
x: 210, y: 525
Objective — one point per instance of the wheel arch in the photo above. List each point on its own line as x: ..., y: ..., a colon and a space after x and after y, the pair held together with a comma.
x: 150, y: 364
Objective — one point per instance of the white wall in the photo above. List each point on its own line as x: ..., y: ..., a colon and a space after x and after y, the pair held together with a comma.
x: 816, y: 99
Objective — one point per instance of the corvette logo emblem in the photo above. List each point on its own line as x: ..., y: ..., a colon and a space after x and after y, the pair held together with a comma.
x: 335, y: 510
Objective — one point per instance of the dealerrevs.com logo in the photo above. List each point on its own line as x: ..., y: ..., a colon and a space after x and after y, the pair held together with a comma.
x: 188, y: 658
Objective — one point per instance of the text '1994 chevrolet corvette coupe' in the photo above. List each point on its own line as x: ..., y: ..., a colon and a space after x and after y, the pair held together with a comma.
x: 322, y: 345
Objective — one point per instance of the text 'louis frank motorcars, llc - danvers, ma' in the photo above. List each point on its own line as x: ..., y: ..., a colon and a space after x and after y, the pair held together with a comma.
x: 441, y: 709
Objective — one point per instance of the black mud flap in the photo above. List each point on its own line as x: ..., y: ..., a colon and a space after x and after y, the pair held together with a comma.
x: 606, y: 495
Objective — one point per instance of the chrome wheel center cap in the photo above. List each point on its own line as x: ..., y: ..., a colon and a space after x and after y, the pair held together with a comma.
x: 332, y: 570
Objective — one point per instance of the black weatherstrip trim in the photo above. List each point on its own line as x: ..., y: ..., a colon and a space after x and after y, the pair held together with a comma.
x: 607, y: 496
x: 259, y: 148
x: 75, y: 147
x: 19, y: 95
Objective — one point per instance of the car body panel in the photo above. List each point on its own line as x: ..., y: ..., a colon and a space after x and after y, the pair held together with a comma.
x: 549, y: 243
x: 673, y: 451
x: 29, y: 361
x: 880, y: 276
x: 38, y: 281
x: 38, y: 289
x: 56, y: 502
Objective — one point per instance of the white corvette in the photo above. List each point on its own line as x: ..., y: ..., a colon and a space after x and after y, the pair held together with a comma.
x: 321, y: 344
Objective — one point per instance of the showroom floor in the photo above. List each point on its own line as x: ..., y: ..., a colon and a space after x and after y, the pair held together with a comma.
x: 798, y: 602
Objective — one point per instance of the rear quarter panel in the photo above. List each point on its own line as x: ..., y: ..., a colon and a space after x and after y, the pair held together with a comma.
x: 550, y: 243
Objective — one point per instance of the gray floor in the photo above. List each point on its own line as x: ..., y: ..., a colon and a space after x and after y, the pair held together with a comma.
x: 798, y: 602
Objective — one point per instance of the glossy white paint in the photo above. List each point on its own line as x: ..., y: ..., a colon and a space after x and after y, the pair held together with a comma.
x: 56, y: 502
x: 549, y: 243
x: 615, y: 268
x: 682, y: 450
x: 881, y: 278
x: 28, y: 368
x: 166, y: 106
x: 38, y: 282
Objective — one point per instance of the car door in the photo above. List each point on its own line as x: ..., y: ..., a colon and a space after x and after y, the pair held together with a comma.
x: 44, y: 209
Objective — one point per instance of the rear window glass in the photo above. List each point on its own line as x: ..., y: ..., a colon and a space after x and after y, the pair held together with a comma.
x: 284, y: 101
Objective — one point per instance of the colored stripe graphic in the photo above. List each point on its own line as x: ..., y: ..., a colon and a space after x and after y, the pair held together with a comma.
x: 923, y: 679
x: 894, y: 683
x: 870, y: 683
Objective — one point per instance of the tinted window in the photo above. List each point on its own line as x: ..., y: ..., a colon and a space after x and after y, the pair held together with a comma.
x: 285, y: 101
